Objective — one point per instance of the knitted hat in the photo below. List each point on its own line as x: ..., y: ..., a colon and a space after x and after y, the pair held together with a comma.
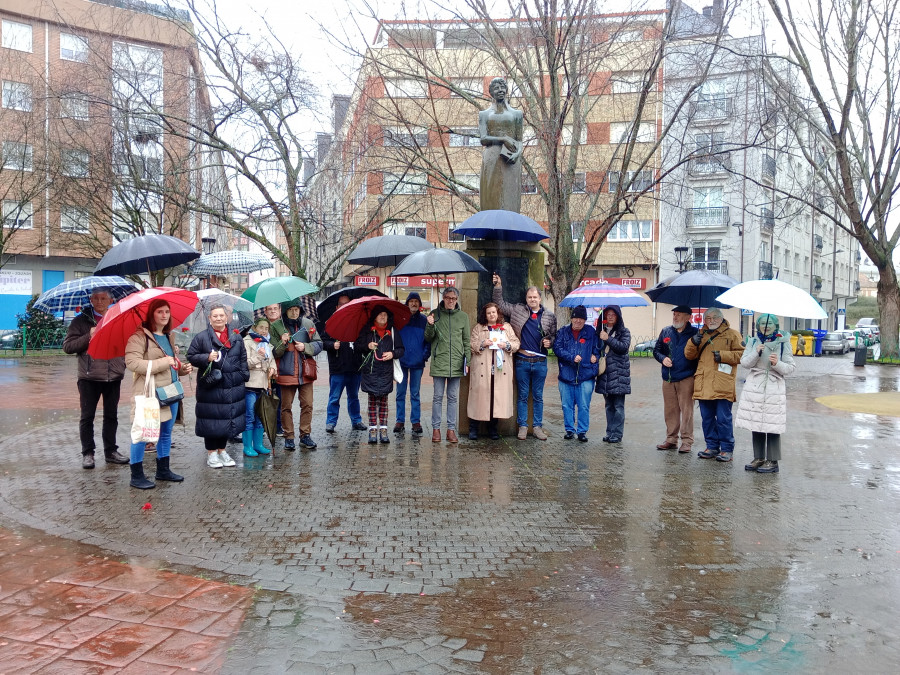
x: 579, y: 312
x: 684, y: 309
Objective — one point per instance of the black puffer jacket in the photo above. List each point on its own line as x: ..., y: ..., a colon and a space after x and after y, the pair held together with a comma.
x: 617, y: 378
x: 344, y: 360
x: 378, y: 376
x: 220, y: 409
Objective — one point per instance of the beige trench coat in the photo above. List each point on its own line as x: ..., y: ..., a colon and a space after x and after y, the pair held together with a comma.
x: 479, y: 406
x: 141, y: 348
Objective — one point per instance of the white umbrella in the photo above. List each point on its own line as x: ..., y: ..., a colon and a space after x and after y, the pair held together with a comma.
x: 773, y: 297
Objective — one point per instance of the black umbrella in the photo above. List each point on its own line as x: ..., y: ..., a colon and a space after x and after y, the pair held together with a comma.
x: 387, y: 250
x: 501, y: 225
x: 148, y: 253
x: 328, y: 305
x: 694, y: 288
x: 437, y: 261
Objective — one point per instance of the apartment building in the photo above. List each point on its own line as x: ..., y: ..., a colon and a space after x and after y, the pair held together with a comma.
x: 740, y: 201
x: 88, y: 158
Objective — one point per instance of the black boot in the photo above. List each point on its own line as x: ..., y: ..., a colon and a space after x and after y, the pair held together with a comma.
x: 163, y: 472
x: 137, y: 478
x: 473, y: 430
x: 492, y: 428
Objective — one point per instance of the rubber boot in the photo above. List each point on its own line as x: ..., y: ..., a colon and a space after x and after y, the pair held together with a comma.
x: 137, y: 478
x: 164, y: 473
x: 258, y: 445
x: 247, y: 438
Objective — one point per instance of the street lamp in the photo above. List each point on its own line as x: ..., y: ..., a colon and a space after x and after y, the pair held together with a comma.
x: 681, y: 257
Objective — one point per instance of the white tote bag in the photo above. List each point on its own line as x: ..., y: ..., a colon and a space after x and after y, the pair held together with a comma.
x: 145, y: 427
x: 398, y: 370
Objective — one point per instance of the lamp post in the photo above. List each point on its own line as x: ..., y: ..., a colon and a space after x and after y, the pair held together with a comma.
x: 681, y: 257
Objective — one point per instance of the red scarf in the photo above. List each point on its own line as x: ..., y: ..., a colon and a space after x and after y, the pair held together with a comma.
x: 380, y: 332
x: 499, y: 326
x: 223, y: 338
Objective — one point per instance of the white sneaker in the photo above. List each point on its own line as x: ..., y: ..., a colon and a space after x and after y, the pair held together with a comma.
x: 225, y: 458
x: 213, y: 461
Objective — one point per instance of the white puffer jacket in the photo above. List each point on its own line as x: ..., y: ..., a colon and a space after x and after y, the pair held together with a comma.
x: 763, y: 402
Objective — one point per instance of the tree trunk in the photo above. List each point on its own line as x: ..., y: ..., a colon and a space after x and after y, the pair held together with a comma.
x: 888, y: 310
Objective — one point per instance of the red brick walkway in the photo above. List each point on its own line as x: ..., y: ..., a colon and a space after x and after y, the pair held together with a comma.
x: 66, y: 611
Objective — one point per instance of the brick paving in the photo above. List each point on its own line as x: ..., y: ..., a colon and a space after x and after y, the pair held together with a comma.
x: 504, y: 557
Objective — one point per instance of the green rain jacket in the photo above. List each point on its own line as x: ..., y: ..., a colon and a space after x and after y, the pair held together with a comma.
x: 449, y: 338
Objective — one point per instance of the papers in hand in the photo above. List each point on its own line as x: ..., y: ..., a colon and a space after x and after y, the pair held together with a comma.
x: 497, y: 338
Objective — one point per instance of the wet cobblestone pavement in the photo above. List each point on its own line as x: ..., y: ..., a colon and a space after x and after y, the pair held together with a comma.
x: 509, y: 557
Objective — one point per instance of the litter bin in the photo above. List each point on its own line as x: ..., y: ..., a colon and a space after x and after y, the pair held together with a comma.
x: 819, y: 335
x: 859, y: 354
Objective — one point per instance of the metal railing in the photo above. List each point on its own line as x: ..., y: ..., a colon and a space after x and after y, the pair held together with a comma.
x: 711, y: 109
x: 706, y: 165
x: 769, y: 167
x: 709, y: 217
x: 28, y: 340
x: 720, y: 266
x: 766, y: 220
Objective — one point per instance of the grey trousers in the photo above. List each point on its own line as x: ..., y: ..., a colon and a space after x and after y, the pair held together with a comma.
x: 766, y: 446
x: 451, y: 384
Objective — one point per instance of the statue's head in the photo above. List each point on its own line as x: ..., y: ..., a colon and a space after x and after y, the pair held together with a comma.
x: 498, y: 89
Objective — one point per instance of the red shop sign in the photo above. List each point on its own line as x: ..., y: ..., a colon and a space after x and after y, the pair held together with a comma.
x: 636, y: 283
x: 366, y: 281
x: 421, y: 282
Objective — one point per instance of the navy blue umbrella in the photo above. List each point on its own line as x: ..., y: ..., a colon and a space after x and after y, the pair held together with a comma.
x: 328, y: 306
x: 694, y: 288
x: 502, y: 225
x: 148, y: 253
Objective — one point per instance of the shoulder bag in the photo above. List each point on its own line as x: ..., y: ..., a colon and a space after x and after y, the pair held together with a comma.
x: 145, y: 426
x: 601, y: 363
x: 308, y: 368
x: 170, y: 393
x: 398, y: 369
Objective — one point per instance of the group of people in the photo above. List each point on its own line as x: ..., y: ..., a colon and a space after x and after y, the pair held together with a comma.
x: 277, y: 352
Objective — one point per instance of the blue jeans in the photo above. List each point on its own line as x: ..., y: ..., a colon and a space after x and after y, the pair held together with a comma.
x: 530, y: 377
x: 576, y: 396
x: 615, y: 416
x: 413, y: 376
x: 718, y: 431
x: 163, y: 445
x: 451, y: 384
x: 336, y: 385
x: 251, y: 419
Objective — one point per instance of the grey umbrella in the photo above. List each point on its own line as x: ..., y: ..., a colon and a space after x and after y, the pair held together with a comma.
x: 387, y: 250
x: 437, y: 261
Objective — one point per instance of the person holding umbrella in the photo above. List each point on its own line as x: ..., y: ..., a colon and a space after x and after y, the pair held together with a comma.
x: 717, y: 348
x: 273, y: 314
x: 151, y: 344
x: 677, y: 380
x: 221, y: 406
x: 448, y: 332
x: 297, y: 339
x: 493, y: 342
x: 416, y: 352
x: 615, y: 382
x: 261, y: 362
x: 578, y: 351
x: 763, y: 405
x: 343, y: 375
x: 381, y: 345
x: 97, y: 378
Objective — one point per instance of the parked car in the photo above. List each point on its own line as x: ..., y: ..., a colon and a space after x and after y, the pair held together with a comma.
x: 645, y: 346
x: 834, y: 343
x: 865, y: 323
x: 849, y: 338
x: 11, y: 340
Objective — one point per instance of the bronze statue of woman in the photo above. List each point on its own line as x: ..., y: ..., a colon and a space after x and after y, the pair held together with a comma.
x: 500, y: 128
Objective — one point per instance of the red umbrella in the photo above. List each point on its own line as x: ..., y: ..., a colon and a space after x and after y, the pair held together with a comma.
x: 123, y: 318
x: 348, y: 320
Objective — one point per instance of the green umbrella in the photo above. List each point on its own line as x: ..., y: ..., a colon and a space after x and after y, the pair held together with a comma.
x: 277, y: 290
x: 266, y: 407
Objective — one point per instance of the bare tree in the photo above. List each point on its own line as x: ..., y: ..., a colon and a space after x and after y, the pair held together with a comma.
x: 565, y: 60
x: 846, y: 107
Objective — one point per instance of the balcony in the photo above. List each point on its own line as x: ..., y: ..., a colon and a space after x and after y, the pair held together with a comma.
x: 709, y: 165
x: 856, y: 287
x: 711, y: 110
x: 720, y: 266
x: 818, y: 242
x: 708, y: 218
x: 817, y: 283
x: 858, y: 256
x: 766, y: 220
x: 769, y: 168
x: 765, y: 270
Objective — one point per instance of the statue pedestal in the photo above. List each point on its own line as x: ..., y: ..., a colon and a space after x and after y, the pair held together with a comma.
x: 520, y: 265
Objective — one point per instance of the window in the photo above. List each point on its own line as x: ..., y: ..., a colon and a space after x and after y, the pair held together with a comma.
x: 72, y: 47
x: 16, y: 96
x: 17, y: 215
x: 467, y: 183
x: 627, y: 36
x: 473, y: 86
x: 465, y: 136
x: 73, y: 106
x: 75, y: 163
x: 529, y: 186
x: 452, y: 236
x: 82, y: 274
x: 408, y: 184
x: 709, y: 197
x: 578, y: 230
x: 709, y: 143
x: 409, y: 229
x: 619, y: 131
x: 568, y: 134
x: 627, y: 81
x: 139, y: 167
x: 579, y: 183
x: 137, y: 77
x: 705, y: 251
x: 18, y: 156
x: 640, y: 181
x: 16, y: 35
x: 407, y: 137
x: 631, y: 230
x: 405, y: 88
x: 74, y: 219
